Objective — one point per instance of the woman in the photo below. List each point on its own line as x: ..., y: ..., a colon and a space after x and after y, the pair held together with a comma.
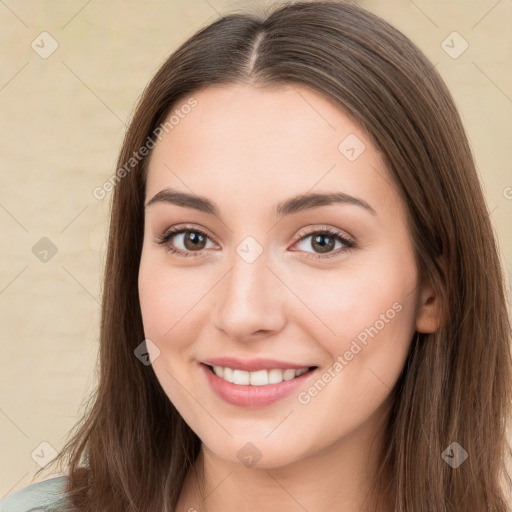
x: 303, y: 305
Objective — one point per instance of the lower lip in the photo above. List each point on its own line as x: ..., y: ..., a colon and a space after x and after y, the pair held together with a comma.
x: 253, y: 396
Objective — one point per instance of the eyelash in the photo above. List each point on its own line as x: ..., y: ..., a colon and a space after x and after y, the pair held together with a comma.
x: 165, y: 237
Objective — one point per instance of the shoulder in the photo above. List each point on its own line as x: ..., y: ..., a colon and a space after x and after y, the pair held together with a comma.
x: 35, y: 496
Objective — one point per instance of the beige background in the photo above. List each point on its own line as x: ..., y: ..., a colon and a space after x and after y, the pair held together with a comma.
x: 63, y: 118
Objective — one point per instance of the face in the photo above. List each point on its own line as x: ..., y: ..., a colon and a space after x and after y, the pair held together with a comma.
x: 275, y: 321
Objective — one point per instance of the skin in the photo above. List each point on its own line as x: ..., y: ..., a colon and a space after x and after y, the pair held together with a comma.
x: 245, y: 149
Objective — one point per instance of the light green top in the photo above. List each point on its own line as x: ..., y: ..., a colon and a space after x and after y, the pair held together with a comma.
x: 36, y: 497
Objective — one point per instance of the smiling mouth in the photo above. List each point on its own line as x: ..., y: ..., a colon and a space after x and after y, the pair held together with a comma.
x: 259, y: 377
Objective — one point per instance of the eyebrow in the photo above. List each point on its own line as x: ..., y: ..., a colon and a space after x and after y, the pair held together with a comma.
x: 289, y: 206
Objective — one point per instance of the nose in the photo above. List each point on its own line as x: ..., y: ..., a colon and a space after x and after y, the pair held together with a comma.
x: 249, y: 300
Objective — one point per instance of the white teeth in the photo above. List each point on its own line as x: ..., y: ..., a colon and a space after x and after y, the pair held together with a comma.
x: 275, y: 376
x: 228, y: 374
x: 218, y: 371
x: 288, y: 374
x: 257, y: 378
x: 240, y: 377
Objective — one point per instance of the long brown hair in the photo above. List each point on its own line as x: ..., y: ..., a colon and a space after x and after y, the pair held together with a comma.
x: 132, y: 449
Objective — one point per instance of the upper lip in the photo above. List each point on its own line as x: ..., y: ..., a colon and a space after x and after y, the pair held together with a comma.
x: 253, y: 365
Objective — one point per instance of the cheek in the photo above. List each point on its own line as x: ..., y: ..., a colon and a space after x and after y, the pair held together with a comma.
x: 170, y: 301
x: 364, y: 313
x: 167, y: 299
x: 372, y: 316
x: 151, y: 296
x: 346, y: 302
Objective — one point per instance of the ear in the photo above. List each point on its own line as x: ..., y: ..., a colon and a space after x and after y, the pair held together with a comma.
x: 428, y: 311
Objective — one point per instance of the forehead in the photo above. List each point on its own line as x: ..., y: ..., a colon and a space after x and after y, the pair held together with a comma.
x: 265, y: 144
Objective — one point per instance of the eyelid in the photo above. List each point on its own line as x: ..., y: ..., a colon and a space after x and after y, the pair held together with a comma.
x: 347, y: 240
x: 308, y: 231
x: 168, y: 233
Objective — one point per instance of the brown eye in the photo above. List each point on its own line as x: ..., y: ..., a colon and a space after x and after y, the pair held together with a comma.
x: 194, y: 240
x: 324, y: 243
x: 184, y: 241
